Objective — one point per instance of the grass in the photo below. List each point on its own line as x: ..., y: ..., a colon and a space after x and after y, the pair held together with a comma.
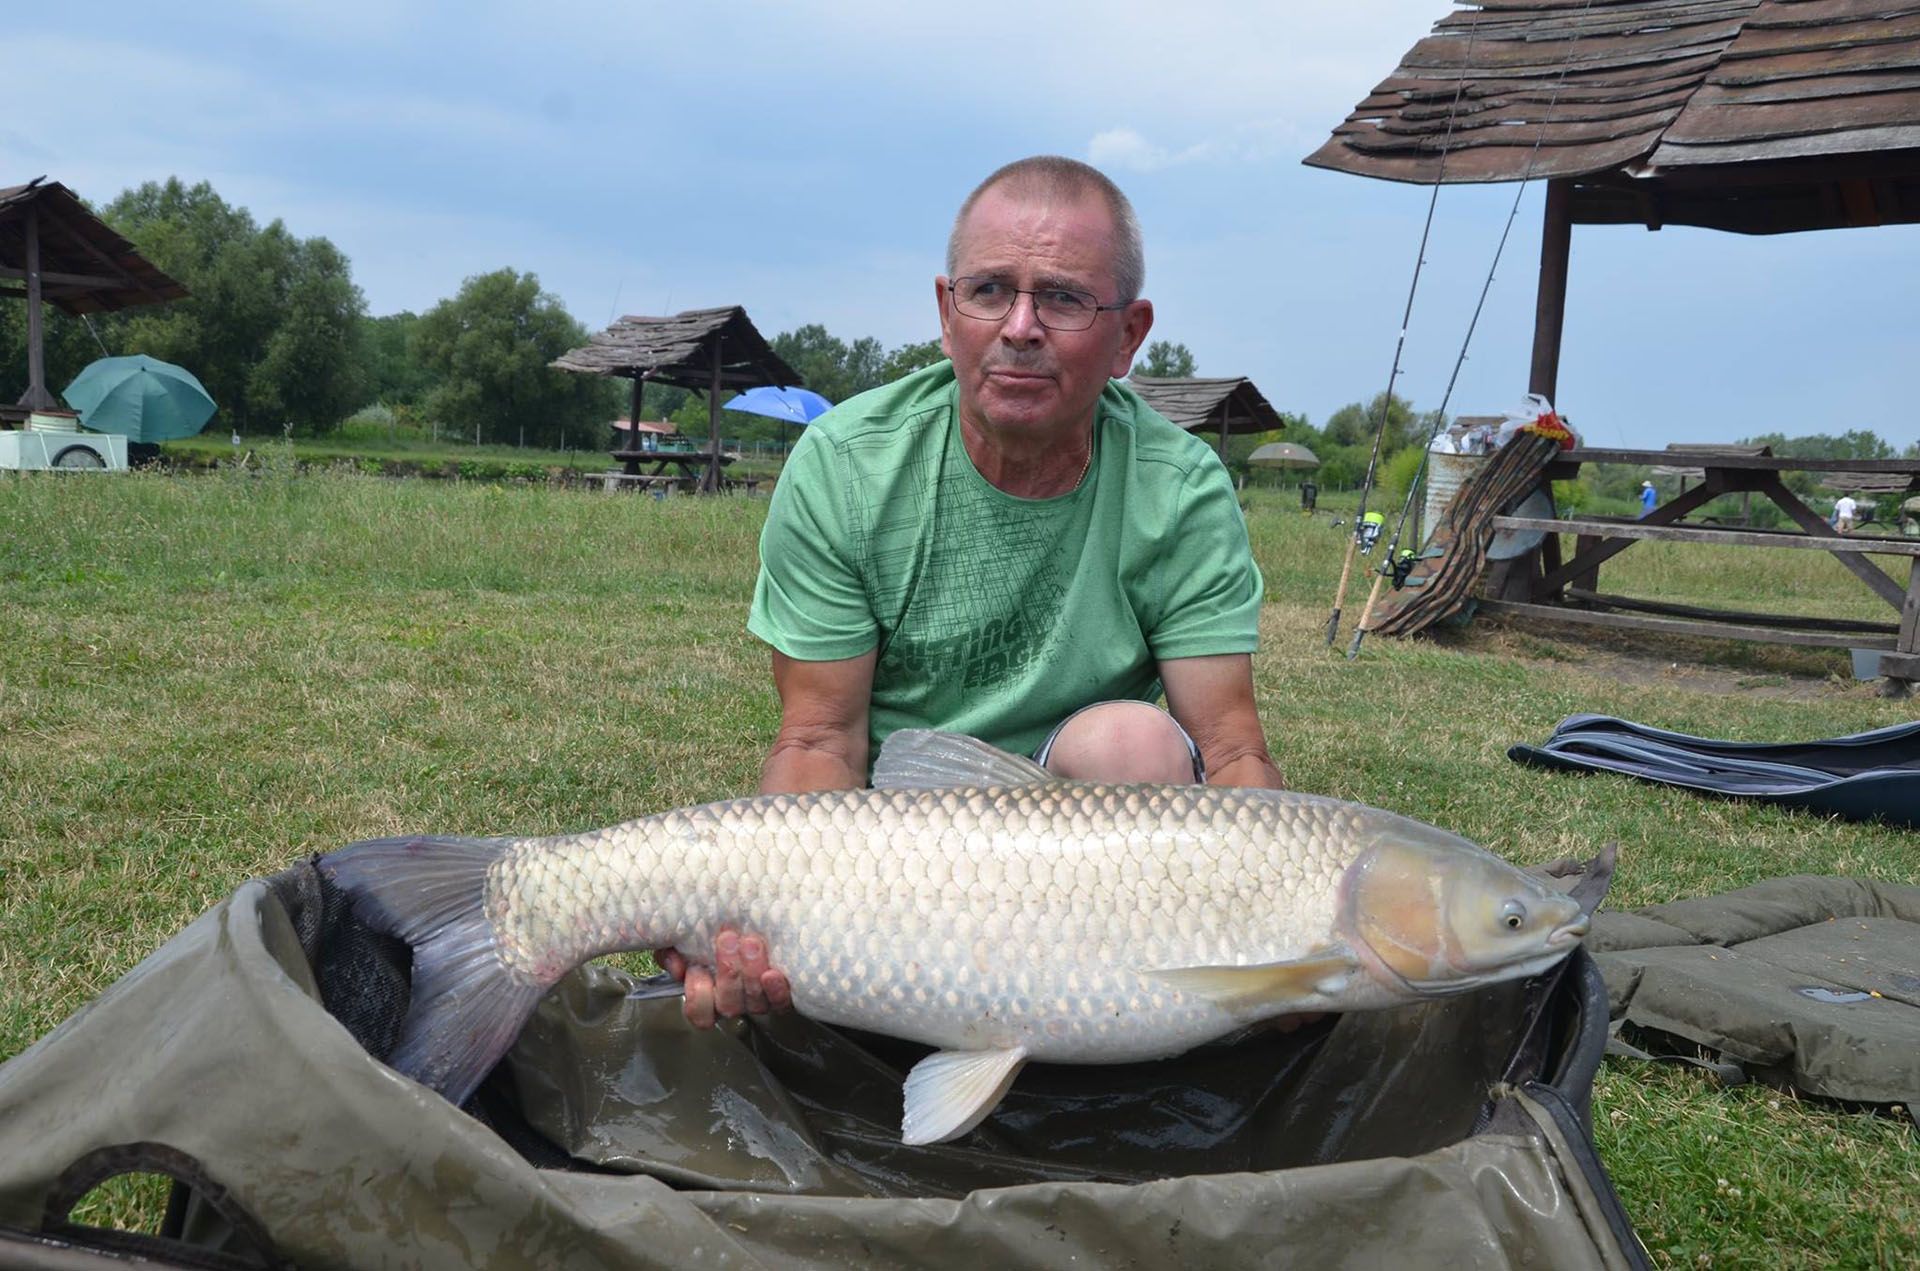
x: 202, y: 678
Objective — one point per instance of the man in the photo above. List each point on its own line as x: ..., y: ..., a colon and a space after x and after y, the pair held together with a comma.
x: 1648, y: 497
x: 1844, y: 509
x: 1007, y: 544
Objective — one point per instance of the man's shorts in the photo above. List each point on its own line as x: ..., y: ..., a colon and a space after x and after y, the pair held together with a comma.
x: 1046, y: 747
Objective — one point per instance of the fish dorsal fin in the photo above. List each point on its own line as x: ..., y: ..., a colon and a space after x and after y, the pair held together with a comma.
x: 1309, y: 981
x: 951, y: 1091
x: 921, y: 759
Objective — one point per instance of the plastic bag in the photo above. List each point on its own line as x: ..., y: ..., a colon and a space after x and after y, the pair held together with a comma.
x: 1536, y: 415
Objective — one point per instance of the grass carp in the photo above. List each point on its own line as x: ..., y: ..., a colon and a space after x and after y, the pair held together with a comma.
x: 973, y: 902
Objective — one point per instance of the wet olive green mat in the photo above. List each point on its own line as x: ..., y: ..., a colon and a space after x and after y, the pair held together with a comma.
x: 236, y: 1058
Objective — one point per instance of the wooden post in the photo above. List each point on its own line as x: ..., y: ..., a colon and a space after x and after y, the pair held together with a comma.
x: 1550, y: 306
x: 1524, y: 574
x: 711, y: 481
x: 36, y: 397
x: 632, y: 444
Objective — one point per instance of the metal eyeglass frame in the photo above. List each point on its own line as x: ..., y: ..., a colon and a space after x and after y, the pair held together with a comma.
x: 1094, y: 310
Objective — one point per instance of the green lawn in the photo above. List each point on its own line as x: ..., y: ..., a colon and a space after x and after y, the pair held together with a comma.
x: 204, y: 677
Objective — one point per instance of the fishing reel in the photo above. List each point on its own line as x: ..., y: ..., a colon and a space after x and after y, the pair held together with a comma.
x: 1396, y: 568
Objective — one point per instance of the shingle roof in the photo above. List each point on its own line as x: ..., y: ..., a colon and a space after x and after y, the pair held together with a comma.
x: 85, y: 267
x: 1202, y: 405
x: 1757, y: 116
x: 680, y: 350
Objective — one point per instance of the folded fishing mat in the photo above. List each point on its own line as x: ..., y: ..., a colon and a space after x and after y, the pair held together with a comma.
x: 1808, y: 982
x: 241, y: 1059
x: 1862, y: 777
x: 1449, y: 565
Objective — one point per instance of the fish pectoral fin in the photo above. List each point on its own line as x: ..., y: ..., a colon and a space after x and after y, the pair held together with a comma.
x: 922, y: 759
x: 951, y: 1091
x: 1236, y: 988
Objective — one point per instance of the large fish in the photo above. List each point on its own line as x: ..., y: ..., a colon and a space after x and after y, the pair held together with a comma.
x: 973, y: 902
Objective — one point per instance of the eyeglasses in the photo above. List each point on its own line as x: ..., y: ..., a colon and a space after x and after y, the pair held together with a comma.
x: 1055, y: 308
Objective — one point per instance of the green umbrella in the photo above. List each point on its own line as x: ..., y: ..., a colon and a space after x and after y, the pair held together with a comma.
x: 141, y: 397
x: 1283, y: 454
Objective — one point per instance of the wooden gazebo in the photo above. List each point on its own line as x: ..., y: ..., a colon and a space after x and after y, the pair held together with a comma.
x: 1225, y: 406
x: 708, y: 350
x: 1751, y: 116
x: 1754, y: 116
x: 61, y: 254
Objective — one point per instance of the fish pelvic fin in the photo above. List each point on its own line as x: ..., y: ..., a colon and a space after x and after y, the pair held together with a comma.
x: 467, y: 1005
x: 1309, y: 981
x: 951, y: 1091
x: 922, y: 759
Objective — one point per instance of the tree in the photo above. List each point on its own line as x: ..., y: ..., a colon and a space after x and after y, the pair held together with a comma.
x: 1355, y: 425
x: 489, y: 346
x: 1166, y: 360
x: 389, y: 371
x: 909, y: 358
x: 271, y: 323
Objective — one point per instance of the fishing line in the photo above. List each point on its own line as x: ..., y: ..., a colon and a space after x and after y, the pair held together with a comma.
x: 1387, y: 559
x: 1406, y: 320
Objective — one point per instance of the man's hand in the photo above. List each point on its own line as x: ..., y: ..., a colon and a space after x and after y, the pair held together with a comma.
x: 741, y: 981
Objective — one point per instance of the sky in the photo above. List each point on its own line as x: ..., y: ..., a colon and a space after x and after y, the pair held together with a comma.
x: 804, y: 159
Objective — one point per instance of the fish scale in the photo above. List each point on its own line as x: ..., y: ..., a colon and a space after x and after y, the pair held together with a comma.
x: 971, y: 902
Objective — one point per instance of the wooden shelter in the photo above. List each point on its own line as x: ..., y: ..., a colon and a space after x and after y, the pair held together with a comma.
x: 709, y: 350
x: 1752, y: 116
x: 1231, y: 405
x: 1755, y: 116
x: 61, y: 254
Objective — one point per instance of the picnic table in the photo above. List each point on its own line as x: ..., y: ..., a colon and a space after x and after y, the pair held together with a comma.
x: 1569, y: 589
x: 670, y: 470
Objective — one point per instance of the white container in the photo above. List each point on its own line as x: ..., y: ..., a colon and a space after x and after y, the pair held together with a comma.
x: 31, y: 450
x: 1445, y: 475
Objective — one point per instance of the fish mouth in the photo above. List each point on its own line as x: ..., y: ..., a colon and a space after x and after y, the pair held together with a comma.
x: 1559, y: 943
x: 1569, y: 934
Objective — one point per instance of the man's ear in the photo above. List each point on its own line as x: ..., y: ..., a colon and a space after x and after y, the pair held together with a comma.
x: 940, y: 303
x: 1135, y: 322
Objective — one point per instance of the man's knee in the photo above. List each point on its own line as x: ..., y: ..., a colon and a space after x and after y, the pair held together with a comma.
x: 1121, y: 742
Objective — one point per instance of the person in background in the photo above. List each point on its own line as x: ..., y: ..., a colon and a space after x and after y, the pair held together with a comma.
x: 1845, y: 508
x: 1009, y: 544
x: 1648, y: 497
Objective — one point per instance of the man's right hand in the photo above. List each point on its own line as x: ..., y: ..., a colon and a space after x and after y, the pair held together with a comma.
x: 741, y: 981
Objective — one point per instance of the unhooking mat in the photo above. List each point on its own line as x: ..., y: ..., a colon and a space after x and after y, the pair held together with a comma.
x: 1808, y: 981
x: 241, y: 1059
x: 1862, y: 777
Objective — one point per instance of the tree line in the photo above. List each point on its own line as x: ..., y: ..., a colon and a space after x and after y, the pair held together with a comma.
x: 278, y: 331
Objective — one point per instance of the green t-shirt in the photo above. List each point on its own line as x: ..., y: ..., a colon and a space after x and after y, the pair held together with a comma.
x: 998, y: 616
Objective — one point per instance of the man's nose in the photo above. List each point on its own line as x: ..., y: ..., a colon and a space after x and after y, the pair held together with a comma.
x: 1022, y: 324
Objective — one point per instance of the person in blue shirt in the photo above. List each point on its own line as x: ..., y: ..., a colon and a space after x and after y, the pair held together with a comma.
x: 1648, y: 497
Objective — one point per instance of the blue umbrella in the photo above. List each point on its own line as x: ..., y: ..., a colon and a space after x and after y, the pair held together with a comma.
x: 142, y: 397
x: 794, y: 405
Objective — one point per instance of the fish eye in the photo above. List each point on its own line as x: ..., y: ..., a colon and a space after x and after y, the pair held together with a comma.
x: 1513, y: 915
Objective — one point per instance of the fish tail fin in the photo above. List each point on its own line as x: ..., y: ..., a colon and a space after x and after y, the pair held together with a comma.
x: 468, y: 1005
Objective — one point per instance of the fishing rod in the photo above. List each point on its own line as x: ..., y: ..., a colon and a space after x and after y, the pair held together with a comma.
x: 1389, y: 563
x: 1393, y: 375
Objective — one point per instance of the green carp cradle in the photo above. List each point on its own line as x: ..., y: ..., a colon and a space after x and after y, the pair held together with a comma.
x: 973, y: 902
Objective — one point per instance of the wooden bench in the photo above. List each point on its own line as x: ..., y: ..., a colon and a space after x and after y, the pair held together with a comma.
x: 617, y: 480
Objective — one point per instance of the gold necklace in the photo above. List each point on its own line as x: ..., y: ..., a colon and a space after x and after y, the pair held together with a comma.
x: 1086, y: 466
